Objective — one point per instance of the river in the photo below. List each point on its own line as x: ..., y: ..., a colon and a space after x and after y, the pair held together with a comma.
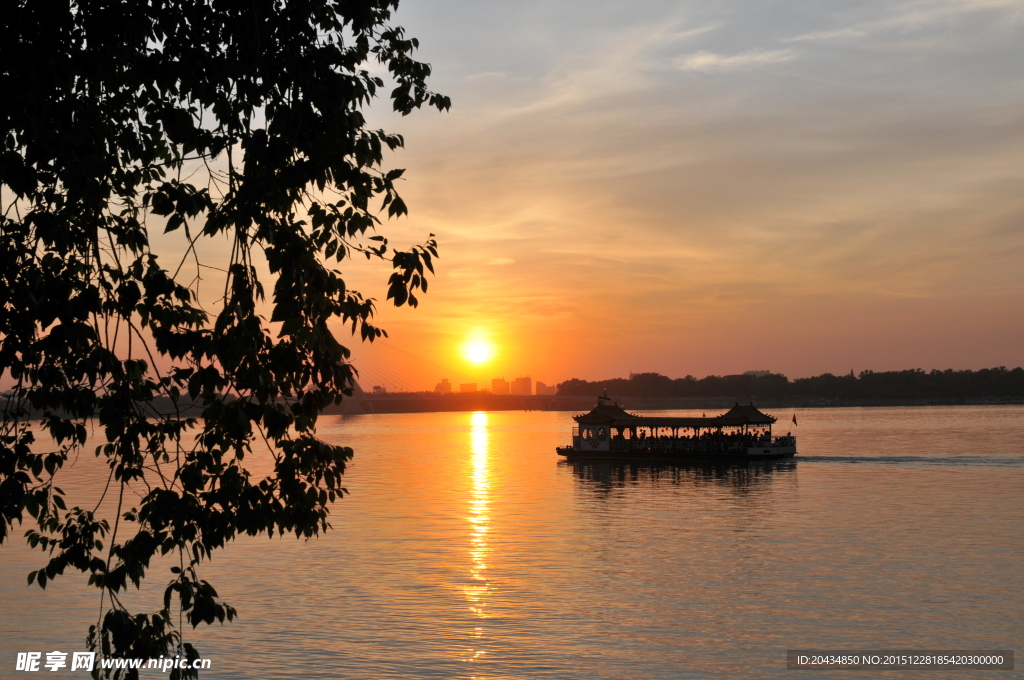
x: 467, y: 549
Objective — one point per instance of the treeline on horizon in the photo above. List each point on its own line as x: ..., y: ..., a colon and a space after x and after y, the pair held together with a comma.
x: 911, y: 384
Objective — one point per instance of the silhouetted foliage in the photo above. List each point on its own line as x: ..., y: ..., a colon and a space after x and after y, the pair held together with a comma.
x: 208, y: 119
x: 912, y: 384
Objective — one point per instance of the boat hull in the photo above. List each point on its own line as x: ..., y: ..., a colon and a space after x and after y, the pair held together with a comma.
x: 752, y: 454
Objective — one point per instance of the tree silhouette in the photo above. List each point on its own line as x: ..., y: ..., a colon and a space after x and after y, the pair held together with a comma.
x: 213, y: 121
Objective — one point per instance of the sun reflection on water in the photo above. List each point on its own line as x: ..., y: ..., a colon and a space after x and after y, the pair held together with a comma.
x: 479, y: 514
x: 479, y: 521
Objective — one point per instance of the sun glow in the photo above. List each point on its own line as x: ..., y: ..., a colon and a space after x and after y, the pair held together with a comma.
x: 478, y: 351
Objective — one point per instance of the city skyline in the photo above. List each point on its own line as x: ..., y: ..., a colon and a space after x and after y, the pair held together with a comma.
x: 521, y: 386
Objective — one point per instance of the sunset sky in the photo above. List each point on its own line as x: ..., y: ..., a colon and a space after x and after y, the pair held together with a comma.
x: 712, y: 187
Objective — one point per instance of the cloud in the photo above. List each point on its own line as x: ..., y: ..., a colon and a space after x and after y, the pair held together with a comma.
x: 682, y: 35
x: 900, y: 18
x: 501, y: 260
x: 708, y: 61
x: 486, y: 74
x: 622, y: 62
x: 838, y: 34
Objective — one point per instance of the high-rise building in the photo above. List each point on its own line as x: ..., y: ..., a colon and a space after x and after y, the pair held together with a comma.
x: 467, y: 387
x: 522, y: 387
x: 544, y: 389
x: 443, y: 387
x: 499, y: 386
x: 380, y: 389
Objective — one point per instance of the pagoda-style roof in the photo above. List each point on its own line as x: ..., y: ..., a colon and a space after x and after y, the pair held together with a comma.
x: 604, y: 413
x: 744, y: 415
x: 612, y: 414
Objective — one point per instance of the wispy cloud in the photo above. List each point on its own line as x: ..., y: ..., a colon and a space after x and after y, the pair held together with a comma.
x: 486, y: 74
x: 621, y: 63
x: 902, y: 17
x: 820, y: 36
x: 708, y: 61
x: 501, y: 261
x: 689, y: 33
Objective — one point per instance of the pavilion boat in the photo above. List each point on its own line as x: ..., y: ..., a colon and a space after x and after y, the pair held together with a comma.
x: 743, y: 433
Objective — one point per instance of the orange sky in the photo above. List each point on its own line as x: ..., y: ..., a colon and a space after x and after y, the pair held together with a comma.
x: 712, y: 188
x: 709, y: 188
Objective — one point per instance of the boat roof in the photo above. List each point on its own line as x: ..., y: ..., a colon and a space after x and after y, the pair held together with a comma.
x: 745, y: 415
x: 614, y: 415
x: 604, y: 413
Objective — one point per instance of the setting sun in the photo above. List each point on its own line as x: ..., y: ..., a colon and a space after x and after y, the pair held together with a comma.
x: 478, y: 351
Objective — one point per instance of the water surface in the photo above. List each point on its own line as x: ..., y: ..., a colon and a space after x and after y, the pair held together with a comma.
x: 468, y: 550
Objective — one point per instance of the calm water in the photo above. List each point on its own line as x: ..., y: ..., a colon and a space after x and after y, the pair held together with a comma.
x: 467, y: 550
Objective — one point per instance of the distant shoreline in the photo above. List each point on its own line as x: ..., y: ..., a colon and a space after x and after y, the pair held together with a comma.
x: 426, y: 403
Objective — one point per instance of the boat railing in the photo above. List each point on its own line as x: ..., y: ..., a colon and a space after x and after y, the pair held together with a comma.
x: 695, y: 445
x: 681, y: 445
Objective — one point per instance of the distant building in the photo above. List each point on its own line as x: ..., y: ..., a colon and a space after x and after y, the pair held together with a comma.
x: 522, y: 387
x: 443, y: 387
x: 380, y: 389
x: 757, y: 374
x: 467, y: 387
x: 543, y: 389
x: 499, y: 386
